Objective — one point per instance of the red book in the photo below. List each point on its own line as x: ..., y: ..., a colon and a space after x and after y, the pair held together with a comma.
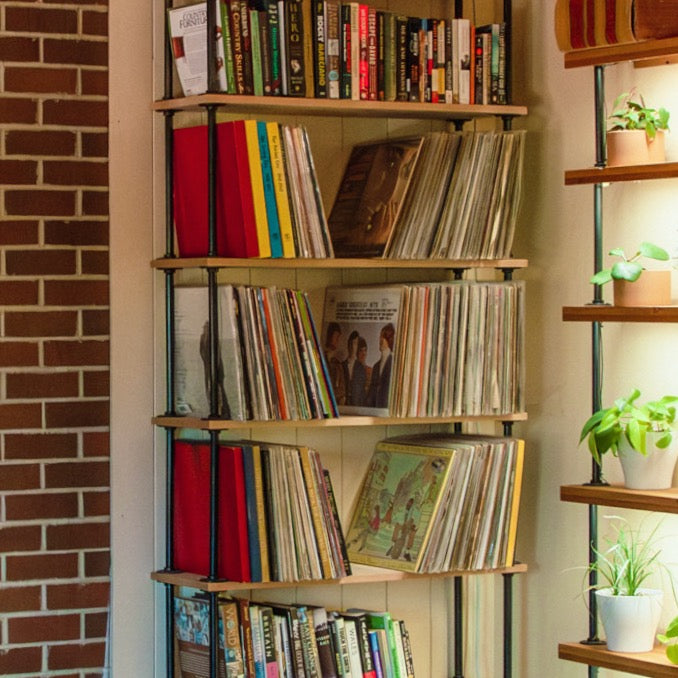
x: 192, y: 511
x: 611, y: 21
x: 235, y: 225
x: 363, y: 39
x: 590, y: 24
x: 577, y: 24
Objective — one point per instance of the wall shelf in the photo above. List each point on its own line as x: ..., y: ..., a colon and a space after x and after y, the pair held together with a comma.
x: 655, y: 51
x: 606, y: 312
x: 652, y: 663
x: 664, y: 501
x: 603, y: 175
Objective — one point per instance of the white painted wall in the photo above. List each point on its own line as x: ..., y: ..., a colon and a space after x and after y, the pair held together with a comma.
x: 556, y: 236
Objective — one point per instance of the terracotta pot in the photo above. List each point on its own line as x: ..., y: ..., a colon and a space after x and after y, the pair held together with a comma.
x: 653, y: 288
x: 653, y: 471
x: 632, y: 147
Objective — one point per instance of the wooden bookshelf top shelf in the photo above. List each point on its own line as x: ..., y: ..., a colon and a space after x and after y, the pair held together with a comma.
x: 652, y: 663
x: 219, y: 262
x: 343, y: 421
x: 603, y: 175
x: 663, y: 501
x: 232, y: 103
x: 627, y: 314
x: 362, y: 574
x: 653, y: 52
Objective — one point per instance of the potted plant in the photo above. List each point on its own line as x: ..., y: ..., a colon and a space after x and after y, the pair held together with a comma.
x: 642, y: 435
x: 652, y: 288
x: 635, y: 133
x: 670, y: 639
x: 628, y: 610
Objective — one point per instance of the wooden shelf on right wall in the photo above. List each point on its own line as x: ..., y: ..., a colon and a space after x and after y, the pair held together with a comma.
x: 664, y: 501
x: 652, y: 663
x: 625, y: 314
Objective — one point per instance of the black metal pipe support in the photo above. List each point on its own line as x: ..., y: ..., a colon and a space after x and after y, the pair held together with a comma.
x: 508, y: 624
x: 458, y: 629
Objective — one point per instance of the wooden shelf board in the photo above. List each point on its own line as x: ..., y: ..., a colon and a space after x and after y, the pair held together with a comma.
x: 343, y: 421
x: 362, y: 575
x: 609, y: 313
x: 663, y: 501
x: 342, y: 108
x: 602, y: 175
x: 220, y: 262
x: 659, y: 51
x: 652, y: 663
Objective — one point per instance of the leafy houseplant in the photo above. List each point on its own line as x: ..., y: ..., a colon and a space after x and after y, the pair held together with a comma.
x: 669, y: 638
x: 630, y: 113
x: 629, y: 268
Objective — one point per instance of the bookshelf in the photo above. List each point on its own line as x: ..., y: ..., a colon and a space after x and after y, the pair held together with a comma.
x: 210, y: 270
x: 596, y: 493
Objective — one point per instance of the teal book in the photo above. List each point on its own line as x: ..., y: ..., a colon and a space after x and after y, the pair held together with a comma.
x: 269, y: 192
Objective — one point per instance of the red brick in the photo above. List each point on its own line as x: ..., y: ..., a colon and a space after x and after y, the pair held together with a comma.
x: 94, y: 82
x: 96, y: 384
x: 81, y: 52
x: 39, y: 142
x: 78, y: 536
x: 43, y: 628
x: 96, y: 444
x: 88, y: 474
x: 40, y: 202
x: 95, y: 203
x: 64, y: 353
x: 18, y: 232
x: 95, y: 144
x: 19, y: 476
x: 95, y: 23
x: 97, y: 563
x: 18, y: 110
x: 40, y: 20
x: 20, y: 660
x: 41, y: 445
x: 77, y: 596
x: 76, y: 656
x: 79, y: 113
x: 96, y: 624
x: 18, y: 171
x: 75, y: 173
x: 42, y: 566
x: 40, y: 262
x: 20, y: 538
x: 78, y: 233
x: 95, y: 323
x: 94, y: 262
x: 20, y: 598
x: 18, y: 354
x: 97, y: 503
x: 44, y: 505
x: 43, y: 385
x: 20, y: 416
x: 18, y: 293
x: 77, y: 414
x: 41, y: 323
x: 76, y: 292
x: 14, y: 48
x: 41, y: 80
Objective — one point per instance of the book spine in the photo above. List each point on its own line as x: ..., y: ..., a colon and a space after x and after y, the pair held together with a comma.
x: 372, y: 61
x: 228, y: 46
x: 281, y: 189
x: 255, y: 43
x: 432, y: 60
x: 319, y: 49
x: 257, y: 181
x: 269, y: 191
x: 423, y: 91
x: 402, y: 79
x: 333, y: 47
x: 363, y: 37
x: 441, y: 57
x: 375, y: 653
x: 449, y: 45
x: 413, y: 26
x: 478, y: 73
x: 407, y: 648
x: 274, y: 45
x: 502, y: 94
x: 265, y: 47
x: 308, y: 36
x: 282, y: 45
x: 246, y: 33
x: 236, y: 41
x: 388, y: 43
x: 337, y: 521
x: 346, y: 66
x: 355, y: 50
x: 294, y: 40
x: 323, y: 637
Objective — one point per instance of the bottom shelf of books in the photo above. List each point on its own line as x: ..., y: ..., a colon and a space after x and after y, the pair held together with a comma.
x: 653, y: 663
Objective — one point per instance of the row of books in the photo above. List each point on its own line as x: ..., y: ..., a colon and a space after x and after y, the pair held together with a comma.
x: 267, y: 199
x: 592, y: 23
x: 270, y: 364
x: 277, y: 517
x: 426, y: 349
x: 436, y: 503
x: 290, y: 640
x: 441, y: 195
x: 339, y: 50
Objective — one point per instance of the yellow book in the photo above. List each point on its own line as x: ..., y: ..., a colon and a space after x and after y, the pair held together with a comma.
x: 282, y: 197
x: 257, y: 181
x: 515, y: 504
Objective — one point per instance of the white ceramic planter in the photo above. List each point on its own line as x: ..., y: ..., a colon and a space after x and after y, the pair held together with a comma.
x: 630, y: 622
x: 651, y: 472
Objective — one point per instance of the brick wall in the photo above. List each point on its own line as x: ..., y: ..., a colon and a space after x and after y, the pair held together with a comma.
x: 54, y: 409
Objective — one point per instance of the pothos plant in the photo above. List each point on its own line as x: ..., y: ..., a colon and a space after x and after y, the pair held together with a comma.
x: 629, y: 112
x: 629, y: 268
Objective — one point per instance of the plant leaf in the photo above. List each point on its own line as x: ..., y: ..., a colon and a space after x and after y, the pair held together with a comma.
x: 627, y: 270
x: 647, y: 249
x: 672, y: 653
x: 601, y: 277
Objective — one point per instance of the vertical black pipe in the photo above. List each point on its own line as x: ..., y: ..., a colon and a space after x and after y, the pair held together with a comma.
x: 212, y: 180
x: 214, y: 634
x: 508, y: 624
x: 458, y: 629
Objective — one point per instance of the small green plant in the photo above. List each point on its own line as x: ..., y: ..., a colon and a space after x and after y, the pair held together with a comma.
x: 630, y: 112
x: 628, y: 561
x: 625, y: 418
x: 629, y: 268
x: 670, y: 639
